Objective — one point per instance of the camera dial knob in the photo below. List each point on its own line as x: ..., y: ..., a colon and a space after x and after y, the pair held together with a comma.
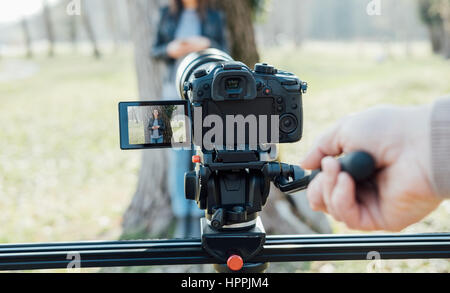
x: 190, y: 185
x: 200, y: 73
x: 304, y: 87
x: 264, y: 68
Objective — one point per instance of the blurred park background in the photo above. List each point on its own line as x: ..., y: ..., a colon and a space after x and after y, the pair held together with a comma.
x: 64, y: 68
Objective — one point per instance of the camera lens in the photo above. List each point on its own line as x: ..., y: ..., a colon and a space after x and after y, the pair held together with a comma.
x: 288, y: 123
x: 194, y: 61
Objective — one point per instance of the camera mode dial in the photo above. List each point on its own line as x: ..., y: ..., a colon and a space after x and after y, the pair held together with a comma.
x: 264, y: 68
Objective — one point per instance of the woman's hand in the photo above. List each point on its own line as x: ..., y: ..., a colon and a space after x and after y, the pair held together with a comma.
x: 176, y: 49
x: 180, y: 48
x: 198, y: 43
x: 401, y: 194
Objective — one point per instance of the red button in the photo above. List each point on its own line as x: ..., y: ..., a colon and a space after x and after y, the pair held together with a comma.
x: 235, y: 262
x: 196, y: 159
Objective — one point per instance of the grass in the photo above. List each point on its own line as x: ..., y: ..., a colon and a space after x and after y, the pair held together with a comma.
x: 64, y: 178
x: 136, y: 132
x: 62, y: 174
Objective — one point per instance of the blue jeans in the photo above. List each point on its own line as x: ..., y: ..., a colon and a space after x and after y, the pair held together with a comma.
x: 157, y: 140
x: 179, y: 163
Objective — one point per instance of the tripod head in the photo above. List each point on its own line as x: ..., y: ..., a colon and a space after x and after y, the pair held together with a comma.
x: 233, y: 187
x: 230, y: 186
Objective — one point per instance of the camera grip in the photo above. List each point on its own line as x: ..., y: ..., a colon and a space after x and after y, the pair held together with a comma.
x: 360, y: 165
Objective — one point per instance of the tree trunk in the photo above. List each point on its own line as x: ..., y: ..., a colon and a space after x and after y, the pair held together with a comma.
x: 297, y: 24
x: 436, y: 33
x: 242, y: 42
x: 73, y: 29
x: 436, y: 15
x: 112, y: 21
x: 90, y: 30
x: 149, y: 211
x: 27, y: 36
x: 446, y: 47
x: 49, y: 28
x: 444, y: 12
x: 73, y: 32
x: 293, y: 216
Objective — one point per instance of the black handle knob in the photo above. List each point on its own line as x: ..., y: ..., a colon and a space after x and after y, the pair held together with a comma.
x: 360, y: 165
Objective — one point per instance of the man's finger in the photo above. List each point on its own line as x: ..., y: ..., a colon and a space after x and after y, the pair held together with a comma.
x: 330, y: 170
x: 358, y: 208
x: 343, y: 200
x: 315, y: 195
x: 327, y: 145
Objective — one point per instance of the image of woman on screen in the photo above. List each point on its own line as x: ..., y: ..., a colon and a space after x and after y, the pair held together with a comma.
x: 156, y: 127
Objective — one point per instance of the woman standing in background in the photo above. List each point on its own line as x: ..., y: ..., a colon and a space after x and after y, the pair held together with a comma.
x: 156, y: 127
x: 186, y: 26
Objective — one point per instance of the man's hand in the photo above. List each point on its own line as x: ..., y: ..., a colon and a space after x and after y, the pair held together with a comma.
x: 180, y: 48
x: 400, y: 194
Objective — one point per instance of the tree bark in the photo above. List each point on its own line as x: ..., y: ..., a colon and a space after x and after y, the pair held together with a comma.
x: 73, y: 32
x: 241, y: 39
x: 73, y: 29
x: 436, y: 33
x: 90, y: 30
x: 436, y: 15
x: 293, y: 216
x: 444, y: 11
x: 149, y: 211
x: 49, y: 28
x: 112, y: 21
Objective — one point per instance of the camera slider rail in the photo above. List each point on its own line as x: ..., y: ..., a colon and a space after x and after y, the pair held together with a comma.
x: 191, y: 251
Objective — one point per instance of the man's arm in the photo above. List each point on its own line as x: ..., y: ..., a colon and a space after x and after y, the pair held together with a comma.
x: 411, y: 148
x: 440, y: 147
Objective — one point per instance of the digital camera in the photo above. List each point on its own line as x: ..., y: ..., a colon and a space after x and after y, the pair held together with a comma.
x: 255, y: 107
x: 224, y: 106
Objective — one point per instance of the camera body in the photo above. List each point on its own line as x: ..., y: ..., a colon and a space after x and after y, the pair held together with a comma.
x: 216, y: 85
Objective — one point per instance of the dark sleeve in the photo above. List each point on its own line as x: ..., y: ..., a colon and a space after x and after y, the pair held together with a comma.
x: 220, y: 42
x: 150, y: 124
x: 159, y: 49
x: 162, y: 127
